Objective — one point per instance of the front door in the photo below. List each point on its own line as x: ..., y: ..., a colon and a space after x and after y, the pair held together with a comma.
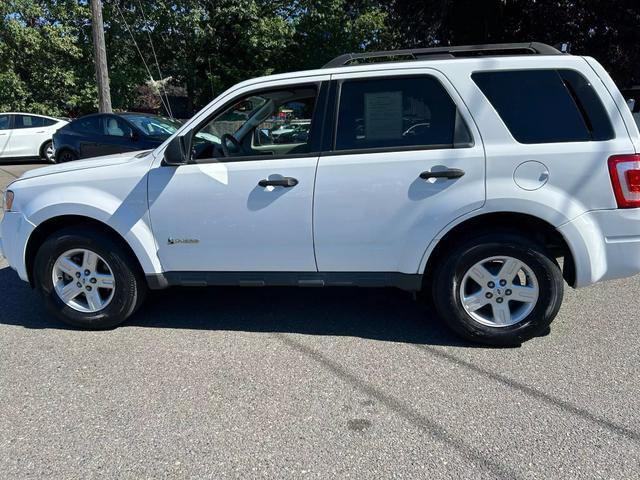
x: 246, y: 203
x: 406, y: 160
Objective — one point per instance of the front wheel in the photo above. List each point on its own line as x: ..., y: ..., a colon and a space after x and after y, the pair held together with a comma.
x: 87, y: 279
x: 498, y: 289
x: 66, y: 155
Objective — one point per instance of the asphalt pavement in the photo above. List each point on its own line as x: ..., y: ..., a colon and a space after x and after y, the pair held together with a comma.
x: 316, y: 383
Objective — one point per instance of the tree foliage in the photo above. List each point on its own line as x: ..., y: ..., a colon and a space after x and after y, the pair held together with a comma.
x: 206, y: 46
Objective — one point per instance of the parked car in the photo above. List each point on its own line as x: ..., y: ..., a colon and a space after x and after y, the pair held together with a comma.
x: 525, y: 158
x: 106, y: 133
x: 27, y: 136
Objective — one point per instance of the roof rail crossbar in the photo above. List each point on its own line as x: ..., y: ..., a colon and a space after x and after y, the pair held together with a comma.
x: 449, y: 52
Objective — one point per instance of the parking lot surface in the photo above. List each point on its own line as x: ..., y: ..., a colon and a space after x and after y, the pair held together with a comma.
x: 316, y: 383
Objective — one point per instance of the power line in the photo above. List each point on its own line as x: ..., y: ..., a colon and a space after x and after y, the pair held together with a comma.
x: 139, y: 51
x: 157, y: 63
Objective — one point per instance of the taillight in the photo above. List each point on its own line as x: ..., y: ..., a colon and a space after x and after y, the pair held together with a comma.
x: 625, y: 178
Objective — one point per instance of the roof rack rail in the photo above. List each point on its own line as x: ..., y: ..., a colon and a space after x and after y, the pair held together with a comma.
x: 529, y: 48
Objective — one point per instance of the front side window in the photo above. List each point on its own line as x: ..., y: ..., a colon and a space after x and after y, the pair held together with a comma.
x: 398, y: 113
x: 546, y: 106
x: 116, y: 127
x: 269, y: 123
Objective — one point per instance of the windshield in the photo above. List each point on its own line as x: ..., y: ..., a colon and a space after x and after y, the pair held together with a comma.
x: 154, y: 126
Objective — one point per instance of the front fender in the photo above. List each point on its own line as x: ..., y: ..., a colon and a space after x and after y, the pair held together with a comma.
x: 128, y: 217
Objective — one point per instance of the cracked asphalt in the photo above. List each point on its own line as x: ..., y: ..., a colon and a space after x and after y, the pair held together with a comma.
x: 315, y: 383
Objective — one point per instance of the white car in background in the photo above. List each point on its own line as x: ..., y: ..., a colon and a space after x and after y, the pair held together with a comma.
x: 27, y: 136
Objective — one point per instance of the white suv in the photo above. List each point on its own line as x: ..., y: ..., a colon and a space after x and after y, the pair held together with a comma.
x: 468, y: 173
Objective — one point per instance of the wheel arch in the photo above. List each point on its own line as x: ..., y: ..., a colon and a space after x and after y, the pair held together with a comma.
x: 41, y: 149
x: 530, y: 225
x: 57, y: 223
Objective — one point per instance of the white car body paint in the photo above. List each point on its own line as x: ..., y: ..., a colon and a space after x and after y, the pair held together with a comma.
x: 19, y: 143
x: 359, y: 213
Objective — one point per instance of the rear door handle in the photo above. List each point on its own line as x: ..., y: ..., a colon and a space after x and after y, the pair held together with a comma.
x: 450, y: 174
x: 286, y: 182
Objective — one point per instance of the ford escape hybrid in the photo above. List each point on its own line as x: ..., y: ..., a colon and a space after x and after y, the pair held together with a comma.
x: 468, y: 173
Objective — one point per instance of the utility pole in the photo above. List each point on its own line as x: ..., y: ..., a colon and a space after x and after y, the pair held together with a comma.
x: 100, y: 57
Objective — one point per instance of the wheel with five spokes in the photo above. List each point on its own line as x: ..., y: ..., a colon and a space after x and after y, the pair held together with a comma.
x: 498, y: 289
x: 87, y: 279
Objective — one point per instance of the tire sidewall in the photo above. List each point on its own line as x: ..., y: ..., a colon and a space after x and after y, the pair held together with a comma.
x: 550, y: 289
x: 125, y: 295
x: 43, y: 152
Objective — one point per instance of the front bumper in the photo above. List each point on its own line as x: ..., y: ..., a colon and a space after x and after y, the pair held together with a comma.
x: 605, y: 244
x: 15, y: 231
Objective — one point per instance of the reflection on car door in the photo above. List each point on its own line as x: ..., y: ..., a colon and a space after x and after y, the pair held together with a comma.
x: 376, y: 207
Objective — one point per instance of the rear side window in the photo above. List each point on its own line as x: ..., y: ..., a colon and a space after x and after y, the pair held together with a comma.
x: 5, y: 121
x: 396, y: 113
x: 47, y: 122
x: 87, y: 125
x: 28, y: 121
x: 546, y: 106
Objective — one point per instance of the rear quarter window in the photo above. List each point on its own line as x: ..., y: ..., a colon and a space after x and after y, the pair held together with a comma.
x: 546, y: 106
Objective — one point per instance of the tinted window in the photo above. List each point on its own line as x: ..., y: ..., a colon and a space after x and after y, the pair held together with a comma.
x: 5, y: 121
x: 46, y: 122
x: 87, y: 125
x: 398, y: 112
x: 28, y: 121
x: 546, y: 106
x: 589, y: 104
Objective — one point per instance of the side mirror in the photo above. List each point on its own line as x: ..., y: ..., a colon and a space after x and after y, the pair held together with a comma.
x: 176, y: 152
x: 134, y: 136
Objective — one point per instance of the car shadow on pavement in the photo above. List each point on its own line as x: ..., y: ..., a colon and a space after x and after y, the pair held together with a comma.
x: 378, y: 314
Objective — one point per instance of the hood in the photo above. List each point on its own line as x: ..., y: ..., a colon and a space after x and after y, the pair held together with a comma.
x: 75, y: 165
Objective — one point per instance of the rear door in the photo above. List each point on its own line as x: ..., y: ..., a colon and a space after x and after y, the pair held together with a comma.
x: 406, y: 160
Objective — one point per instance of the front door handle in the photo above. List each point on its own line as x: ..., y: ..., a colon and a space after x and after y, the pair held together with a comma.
x: 286, y: 182
x: 450, y: 174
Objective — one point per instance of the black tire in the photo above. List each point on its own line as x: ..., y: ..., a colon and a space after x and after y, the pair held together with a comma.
x: 65, y: 155
x: 130, y: 287
x: 458, y: 260
x: 43, y: 152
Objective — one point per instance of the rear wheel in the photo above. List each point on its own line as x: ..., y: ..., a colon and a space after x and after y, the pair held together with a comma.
x: 47, y: 153
x: 498, y: 289
x: 87, y: 279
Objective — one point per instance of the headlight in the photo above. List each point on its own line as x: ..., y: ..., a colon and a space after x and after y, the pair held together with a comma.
x: 7, y: 204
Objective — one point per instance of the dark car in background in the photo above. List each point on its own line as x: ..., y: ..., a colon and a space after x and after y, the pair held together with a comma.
x: 108, y: 133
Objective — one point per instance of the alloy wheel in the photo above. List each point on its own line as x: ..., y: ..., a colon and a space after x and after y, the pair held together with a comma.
x: 83, y: 280
x: 499, y: 291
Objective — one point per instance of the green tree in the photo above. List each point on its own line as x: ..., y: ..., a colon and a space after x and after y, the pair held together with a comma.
x: 43, y: 47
